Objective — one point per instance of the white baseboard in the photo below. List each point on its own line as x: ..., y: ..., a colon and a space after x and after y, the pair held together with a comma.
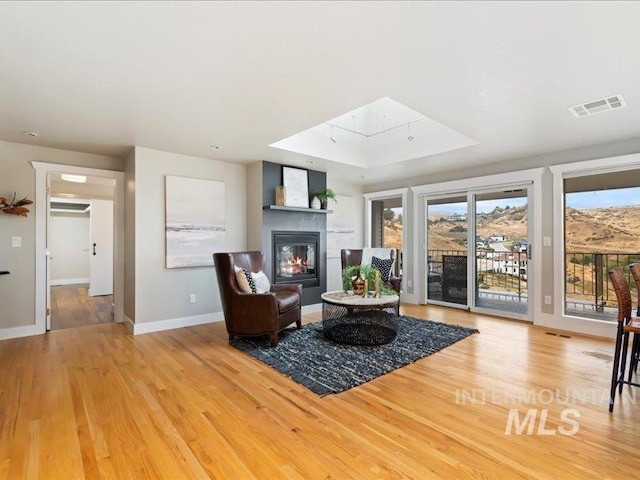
x: 316, y: 307
x: 68, y: 281
x: 171, y: 323
x: 17, y: 332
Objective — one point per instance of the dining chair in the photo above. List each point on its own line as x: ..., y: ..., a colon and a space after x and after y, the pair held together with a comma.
x: 634, y: 268
x: 626, y: 325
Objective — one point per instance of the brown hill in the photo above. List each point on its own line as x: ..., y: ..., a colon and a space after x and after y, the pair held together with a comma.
x: 603, y: 230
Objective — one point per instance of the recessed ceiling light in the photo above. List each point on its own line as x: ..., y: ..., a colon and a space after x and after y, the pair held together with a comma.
x: 31, y: 134
x: 215, y: 147
x: 73, y: 178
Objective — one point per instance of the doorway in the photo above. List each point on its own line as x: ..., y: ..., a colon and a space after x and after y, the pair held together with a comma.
x: 45, y: 173
x: 80, y: 243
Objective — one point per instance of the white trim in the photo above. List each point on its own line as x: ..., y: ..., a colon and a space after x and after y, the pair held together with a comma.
x: 129, y: 324
x: 384, y: 195
x: 42, y: 170
x: 533, y: 180
x: 17, y: 332
x: 572, y: 170
x: 68, y: 281
x: 314, y: 308
x: 171, y: 323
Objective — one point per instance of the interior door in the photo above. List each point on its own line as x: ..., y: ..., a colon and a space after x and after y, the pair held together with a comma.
x: 101, y: 248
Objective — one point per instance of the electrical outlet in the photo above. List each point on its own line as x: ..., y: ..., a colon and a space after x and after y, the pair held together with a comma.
x: 547, y: 299
x: 192, y: 298
x: 546, y: 241
x: 409, y: 284
x: 16, y: 241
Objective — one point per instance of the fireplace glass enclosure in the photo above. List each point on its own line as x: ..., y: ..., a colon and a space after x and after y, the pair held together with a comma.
x: 295, y: 258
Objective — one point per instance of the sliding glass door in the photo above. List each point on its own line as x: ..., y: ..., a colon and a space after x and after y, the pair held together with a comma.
x: 478, y: 251
x: 501, y: 245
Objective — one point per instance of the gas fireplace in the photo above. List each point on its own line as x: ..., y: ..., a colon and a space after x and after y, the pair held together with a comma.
x: 295, y: 258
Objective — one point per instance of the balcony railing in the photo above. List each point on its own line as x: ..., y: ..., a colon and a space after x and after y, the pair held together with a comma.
x: 587, y: 283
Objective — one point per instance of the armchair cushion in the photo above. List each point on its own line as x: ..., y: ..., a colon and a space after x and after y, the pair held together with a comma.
x: 261, y: 282
x: 383, y: 266
x: 250, y: 282
x: 244, y: 280
x: 286, y: 300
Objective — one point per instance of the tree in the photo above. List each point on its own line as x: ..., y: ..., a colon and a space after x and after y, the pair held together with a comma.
x: 388, y: 215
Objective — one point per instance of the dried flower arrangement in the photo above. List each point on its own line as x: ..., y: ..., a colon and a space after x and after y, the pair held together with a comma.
x: 15, y: 208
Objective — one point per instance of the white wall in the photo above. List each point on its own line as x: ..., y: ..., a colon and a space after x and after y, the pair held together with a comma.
x: 69, y: 246
x: 161, y: 294
x: 341, y: 188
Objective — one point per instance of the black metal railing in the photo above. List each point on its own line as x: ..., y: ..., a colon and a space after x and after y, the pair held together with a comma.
x: 501, y: 271
x: 587, y: 279
x: 587, y: 283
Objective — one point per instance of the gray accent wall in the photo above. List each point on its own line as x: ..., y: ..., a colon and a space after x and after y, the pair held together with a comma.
x: 279, y: 220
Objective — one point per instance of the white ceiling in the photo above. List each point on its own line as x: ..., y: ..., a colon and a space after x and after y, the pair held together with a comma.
x: 179, y: 76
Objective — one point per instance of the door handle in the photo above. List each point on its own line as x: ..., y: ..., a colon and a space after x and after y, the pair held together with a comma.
x: 94, y: 248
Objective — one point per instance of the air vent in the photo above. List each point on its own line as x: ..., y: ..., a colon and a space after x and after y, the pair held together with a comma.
x: 597, y: 106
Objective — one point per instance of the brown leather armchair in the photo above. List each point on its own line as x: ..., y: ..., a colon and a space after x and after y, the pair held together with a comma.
x: 350, y: 256
x: 253, y: 314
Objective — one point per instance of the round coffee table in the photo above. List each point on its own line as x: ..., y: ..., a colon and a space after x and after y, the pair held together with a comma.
x: 355, y: 320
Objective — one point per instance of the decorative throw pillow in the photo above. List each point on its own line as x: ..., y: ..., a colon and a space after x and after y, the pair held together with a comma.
x: 261, y: 282
x: 244, y: 280
x: 383, y: 266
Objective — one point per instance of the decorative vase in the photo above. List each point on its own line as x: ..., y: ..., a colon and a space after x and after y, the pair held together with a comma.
x: 280, y: 195
x: 324, y: 204
x: 315, y: 203
x: 358, y: 285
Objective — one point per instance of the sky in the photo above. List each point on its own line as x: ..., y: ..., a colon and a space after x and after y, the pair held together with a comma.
x: 582, y: 200
x: 604, y: 198
x: 484, y: 206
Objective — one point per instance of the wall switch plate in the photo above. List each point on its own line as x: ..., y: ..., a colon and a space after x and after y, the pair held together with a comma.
x: 546, y: 241
x: 547, y: 299
x: 409, y: 284
x: 16, y: 241
x: 192, y: 298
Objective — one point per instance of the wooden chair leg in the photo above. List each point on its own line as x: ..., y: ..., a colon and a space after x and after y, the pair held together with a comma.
x: 231, y: 337
x: 615, y: 367
x: 299, y: 324
x: 274, y: 339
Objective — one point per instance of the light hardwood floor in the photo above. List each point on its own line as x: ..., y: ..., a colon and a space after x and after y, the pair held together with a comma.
x: 95, y: 402
x: 71, y: 307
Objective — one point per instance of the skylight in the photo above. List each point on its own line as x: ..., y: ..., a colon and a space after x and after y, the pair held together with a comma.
x: 379, y: 133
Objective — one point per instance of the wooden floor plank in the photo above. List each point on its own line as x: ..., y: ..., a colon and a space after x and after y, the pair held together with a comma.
x: 96, y: 402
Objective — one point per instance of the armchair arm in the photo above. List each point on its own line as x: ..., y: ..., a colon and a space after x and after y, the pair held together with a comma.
x: 396, y: 283
x: 255, y: 310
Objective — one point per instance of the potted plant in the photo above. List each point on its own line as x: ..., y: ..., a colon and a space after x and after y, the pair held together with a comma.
x: 367, y: 272
x: 324, y: 196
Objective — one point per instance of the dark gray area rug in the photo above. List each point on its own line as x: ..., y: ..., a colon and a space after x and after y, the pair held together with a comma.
x: 326, y: 367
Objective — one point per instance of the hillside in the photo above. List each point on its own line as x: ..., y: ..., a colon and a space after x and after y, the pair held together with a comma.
x: 604, y: 230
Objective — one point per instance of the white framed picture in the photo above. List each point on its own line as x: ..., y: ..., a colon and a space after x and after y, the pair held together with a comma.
x: 296, y: 183
x: 195, y: 221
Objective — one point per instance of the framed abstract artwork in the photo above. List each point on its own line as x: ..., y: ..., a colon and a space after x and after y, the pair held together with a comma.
x: 195, y: 225
x: 296, y: 183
